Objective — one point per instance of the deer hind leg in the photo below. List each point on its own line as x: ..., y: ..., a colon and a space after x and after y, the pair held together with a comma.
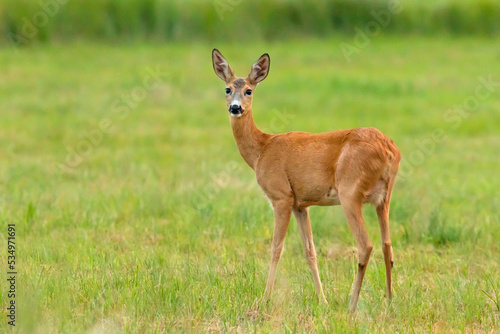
x: 383, y: 218
x: 282, y: 213
x: 352, y: 210
x: 302, y: 216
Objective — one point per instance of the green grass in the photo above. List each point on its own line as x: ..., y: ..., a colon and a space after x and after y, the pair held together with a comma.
x: 161, y: 226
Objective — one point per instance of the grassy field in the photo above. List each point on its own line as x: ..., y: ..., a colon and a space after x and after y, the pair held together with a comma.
x: 135, y: 213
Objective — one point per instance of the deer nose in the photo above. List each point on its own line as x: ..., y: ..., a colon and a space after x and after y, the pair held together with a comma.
x: 235, y: 108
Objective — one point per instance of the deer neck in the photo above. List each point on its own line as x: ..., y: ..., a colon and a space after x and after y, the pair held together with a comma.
x: 249, y: 139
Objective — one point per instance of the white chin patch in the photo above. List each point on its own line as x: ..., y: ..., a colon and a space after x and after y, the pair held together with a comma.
x: 235, y: 115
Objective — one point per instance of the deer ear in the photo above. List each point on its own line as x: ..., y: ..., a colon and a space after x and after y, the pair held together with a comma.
x: 221, y: 66
x: 260, y: 69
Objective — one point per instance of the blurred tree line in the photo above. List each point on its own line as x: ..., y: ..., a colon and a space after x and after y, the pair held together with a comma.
x: 28, y: 21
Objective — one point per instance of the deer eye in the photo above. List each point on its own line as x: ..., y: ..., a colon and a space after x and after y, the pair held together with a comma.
x: 228, y: 90
x: 248, y: 92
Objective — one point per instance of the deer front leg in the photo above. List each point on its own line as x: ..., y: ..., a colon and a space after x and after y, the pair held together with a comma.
x: 282, y: 213
x: 302, y: 216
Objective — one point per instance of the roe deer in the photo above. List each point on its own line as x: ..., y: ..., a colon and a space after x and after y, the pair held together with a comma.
x: 297, y: 169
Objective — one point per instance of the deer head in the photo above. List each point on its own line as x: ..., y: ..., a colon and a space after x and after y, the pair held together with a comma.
x: 239, y: 91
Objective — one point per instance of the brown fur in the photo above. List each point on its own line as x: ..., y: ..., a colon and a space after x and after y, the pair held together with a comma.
x: 297, y: 169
